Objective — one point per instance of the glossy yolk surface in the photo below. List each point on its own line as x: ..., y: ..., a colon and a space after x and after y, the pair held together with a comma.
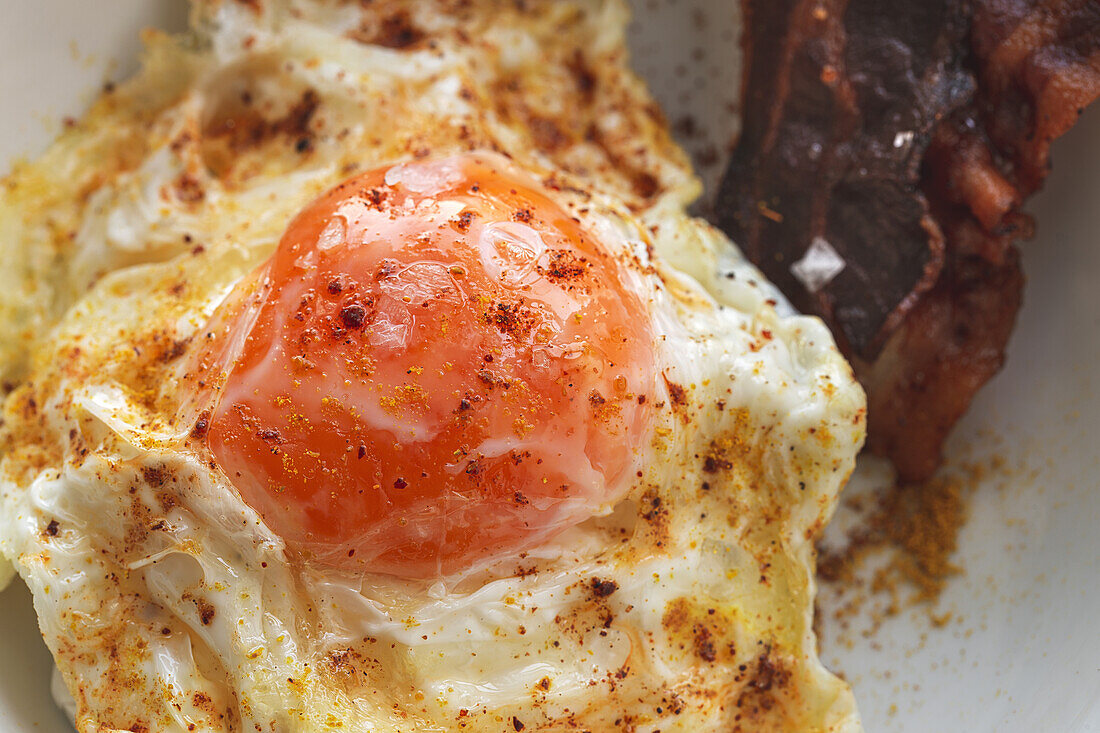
x: 438, y: 366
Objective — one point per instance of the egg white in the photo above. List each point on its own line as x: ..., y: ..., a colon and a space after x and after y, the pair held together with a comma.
x: 166, y: 600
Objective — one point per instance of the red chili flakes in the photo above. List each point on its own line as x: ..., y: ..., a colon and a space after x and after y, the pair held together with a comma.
x: 465, y: 218
x: 386, y: 270
x: 174, y: 351
x: 676, y: 393
x: 202, y: 425
x: 395, y: 31
x: 154, y: 475
x: 240, y: 131
x: 353, y: 315
x: 376, y: 196
x: 704, y: 643
x: 513, y: 319
x: 206, y: 611
x: 564, y: 265
x: 715, y: 463
x: 603, y: 588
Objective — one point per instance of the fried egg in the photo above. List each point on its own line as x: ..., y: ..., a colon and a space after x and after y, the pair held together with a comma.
x: 370, y: 375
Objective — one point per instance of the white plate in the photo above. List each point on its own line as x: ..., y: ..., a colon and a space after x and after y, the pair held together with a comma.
x: 1022, y: 651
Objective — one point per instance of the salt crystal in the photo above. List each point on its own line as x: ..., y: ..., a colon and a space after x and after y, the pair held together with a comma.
x: 902, y: 139
x: 333, y: 235
x: 818, y: 266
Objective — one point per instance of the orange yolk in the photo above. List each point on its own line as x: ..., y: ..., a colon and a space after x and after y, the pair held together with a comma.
x: 437, y: 367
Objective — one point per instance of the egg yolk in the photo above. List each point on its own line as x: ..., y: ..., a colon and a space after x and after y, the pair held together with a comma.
x: 438, y: 366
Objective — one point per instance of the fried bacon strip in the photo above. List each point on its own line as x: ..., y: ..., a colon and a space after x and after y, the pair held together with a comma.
x: 886, y: 150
